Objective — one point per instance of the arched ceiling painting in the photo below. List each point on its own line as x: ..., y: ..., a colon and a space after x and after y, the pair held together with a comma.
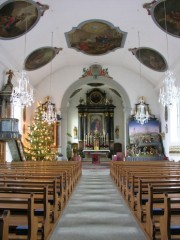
x: 150, y: 58
x: 95, y: 37
x: 40, y: 57
x: 19, y: 17
x: 166, y: 15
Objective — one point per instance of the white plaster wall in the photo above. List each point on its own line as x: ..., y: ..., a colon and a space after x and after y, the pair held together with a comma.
x: 130, y: 82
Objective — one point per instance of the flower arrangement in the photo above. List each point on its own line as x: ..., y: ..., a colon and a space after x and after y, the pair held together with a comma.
x: 89, y: 146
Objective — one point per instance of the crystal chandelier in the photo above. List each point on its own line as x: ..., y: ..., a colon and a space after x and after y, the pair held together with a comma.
x: 22, y: 95
x: 142, y: 112
x: 169, y: 94
x: 49, y: 114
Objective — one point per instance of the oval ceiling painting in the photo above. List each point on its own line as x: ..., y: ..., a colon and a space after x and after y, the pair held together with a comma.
x: 150, y: 58
x: 95, y: 37
x: 40, y: 57
x: 18, y: 17
x: 166, y: 14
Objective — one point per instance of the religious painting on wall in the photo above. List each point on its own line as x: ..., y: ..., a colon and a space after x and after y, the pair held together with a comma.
x: 166, y: 15
x: 40, y: 57
x: 19, y: 17
x: 96, y: 123
x: 150, y: 58
x: 95, y: 37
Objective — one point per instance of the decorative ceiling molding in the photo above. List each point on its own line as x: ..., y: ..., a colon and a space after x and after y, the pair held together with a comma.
x: 19, y: 17
x: 165, y: 13
x: 95, y: 71
x: 95, y: 37
x: 150, y: 58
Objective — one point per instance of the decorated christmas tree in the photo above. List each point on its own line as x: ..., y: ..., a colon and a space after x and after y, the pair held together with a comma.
x: 40, y: 139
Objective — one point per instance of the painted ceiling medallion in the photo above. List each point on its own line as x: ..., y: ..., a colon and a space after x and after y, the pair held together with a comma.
x: 19, y: 17
x: 40, y: 57
x: 95, y: 37
x: 150, y: 58
x: 166, y: 13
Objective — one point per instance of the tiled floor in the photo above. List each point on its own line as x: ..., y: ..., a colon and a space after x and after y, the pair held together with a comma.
x: 97, y: 211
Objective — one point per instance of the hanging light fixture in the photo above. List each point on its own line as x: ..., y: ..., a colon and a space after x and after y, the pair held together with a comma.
x: 49, y: 114
x: 142, y: 111
x: 169, y: 93
x: 22, y: 94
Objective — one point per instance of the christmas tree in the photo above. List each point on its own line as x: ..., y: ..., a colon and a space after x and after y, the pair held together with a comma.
x: 40, y: 139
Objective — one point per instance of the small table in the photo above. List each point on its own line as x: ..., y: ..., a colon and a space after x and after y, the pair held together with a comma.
x: 95, y: 154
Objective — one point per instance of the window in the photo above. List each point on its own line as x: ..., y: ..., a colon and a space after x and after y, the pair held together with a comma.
x: 175, y: 124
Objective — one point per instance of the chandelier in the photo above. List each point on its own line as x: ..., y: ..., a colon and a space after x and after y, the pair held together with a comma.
x: 169, y: 94
x: 142, y: 112
x: 49, y: 114
x: 22, y: 95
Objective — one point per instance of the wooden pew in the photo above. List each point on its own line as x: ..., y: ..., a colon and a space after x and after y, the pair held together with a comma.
x: 17, y: 220
x: 41, y: 207
x: 134, y: 186
x: 154, y: 206
x: 62, y: 182
x: 170, y: 221
x: 4, y: 225
x: 50, y: 186
x: 25, y: 175
x: 143, y: 191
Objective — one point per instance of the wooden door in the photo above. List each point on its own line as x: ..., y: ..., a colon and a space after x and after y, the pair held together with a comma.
x: 2, y: 151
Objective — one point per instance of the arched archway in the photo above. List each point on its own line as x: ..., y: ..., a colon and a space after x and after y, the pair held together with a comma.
x: 82, y: 85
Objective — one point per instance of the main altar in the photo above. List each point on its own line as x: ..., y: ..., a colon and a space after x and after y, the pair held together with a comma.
x: 96, y: 124
x: 96, y: 155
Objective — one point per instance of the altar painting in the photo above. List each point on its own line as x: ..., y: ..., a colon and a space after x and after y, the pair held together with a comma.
x: 96, y: 123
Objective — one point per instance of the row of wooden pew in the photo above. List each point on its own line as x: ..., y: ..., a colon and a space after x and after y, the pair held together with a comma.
x: 33, y: 196
x: 152, y: 190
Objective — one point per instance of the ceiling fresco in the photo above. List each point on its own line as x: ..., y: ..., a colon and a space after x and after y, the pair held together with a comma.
x: 19, y: 17
x: 166, y: 15
x: 40, y: 57
x: 95, y: 37
x: 150, y: 58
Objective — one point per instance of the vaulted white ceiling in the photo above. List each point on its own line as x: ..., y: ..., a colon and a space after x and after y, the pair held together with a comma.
x: 63, y: 15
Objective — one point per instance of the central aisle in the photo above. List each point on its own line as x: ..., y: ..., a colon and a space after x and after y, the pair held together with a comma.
x: 96, y: 211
